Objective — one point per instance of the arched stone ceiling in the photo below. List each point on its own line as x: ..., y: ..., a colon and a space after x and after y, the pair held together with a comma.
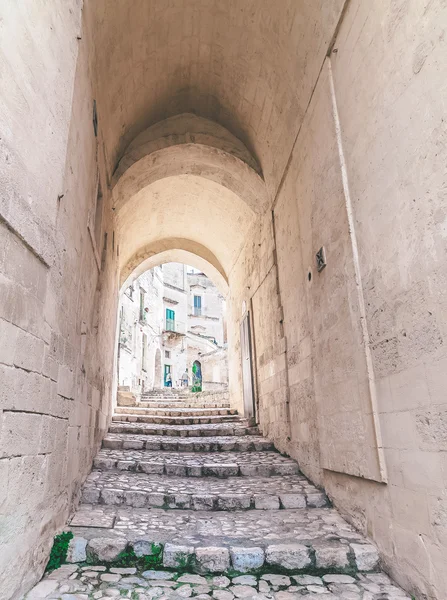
x: 187, y: 144
x: 249, y: 65
x: 184, y: 207
x: 174, y: 250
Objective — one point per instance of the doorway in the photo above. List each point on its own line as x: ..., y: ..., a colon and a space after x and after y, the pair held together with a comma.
x: 197, y: 376
x: 168, y: 376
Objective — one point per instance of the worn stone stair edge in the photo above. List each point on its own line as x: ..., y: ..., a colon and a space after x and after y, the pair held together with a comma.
x: 204, y: 445
x: 320, y: 558
x: 176, y: 404
x: 174, y: 431
x: 182, y: 469
x: 73, y: 578
x: 179, y: 420
x: 208, y: 502
x: 176, y: 412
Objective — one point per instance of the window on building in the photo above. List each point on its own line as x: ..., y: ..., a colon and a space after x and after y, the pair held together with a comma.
x: 144, y: 353
x: 197, y: 305
x: 129, y: 292
x: 170, y: 320
x: 142, y: 308
x: 167, y: 354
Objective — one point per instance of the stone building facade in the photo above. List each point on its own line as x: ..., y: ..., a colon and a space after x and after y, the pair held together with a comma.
x: 170, y: 318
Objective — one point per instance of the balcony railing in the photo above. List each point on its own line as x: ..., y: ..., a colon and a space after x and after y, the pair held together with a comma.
x: 173, y: 326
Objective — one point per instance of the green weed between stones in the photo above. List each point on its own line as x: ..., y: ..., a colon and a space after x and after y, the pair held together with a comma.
x: 58, y: 554
x: 128, y: 558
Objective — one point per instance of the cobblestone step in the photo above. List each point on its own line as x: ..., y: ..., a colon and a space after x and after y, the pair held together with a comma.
x: 98, y: 581
x: 183, y: 404
x: 174, y: 395
x: 245, y: 443
x: 175, y: 412
x: 141, y: 490
x: 196, y: 464
x: 296, y: 541
x: 206, y: 430
x: 196, y: 420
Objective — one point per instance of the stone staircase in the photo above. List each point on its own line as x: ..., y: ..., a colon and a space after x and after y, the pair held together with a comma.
x: 193, y: 502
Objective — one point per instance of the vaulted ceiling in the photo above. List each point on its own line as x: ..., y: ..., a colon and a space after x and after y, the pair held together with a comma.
x: 249, y: 66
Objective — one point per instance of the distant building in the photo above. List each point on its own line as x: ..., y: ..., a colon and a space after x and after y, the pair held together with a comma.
x: 172, y: 332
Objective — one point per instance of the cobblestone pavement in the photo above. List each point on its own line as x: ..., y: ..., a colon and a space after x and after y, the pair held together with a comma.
x: 113, y: 488
x: 197, y: 464
x: 174, y: 412
x: 205, y: 430
x: 73, y: 582
x: 179, y: 420
x: 245, y: 528
x: 212, y: 499
x: 178, y: 403
x: 230, y: 443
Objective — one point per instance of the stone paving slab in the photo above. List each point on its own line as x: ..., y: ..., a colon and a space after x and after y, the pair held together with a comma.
x: 254, y: 527
x: 285, y: 541
x: 245, y: 443
x: 207, y: 430
x: 175, y: 412
x: 73, y: 582
x: 142, y: 490
x: 196, y: 420
x: 196, y: 464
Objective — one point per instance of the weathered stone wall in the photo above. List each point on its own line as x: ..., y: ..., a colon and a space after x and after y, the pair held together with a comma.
x: 366, y: 403
x: 350, y: 364
x: 55, y: 362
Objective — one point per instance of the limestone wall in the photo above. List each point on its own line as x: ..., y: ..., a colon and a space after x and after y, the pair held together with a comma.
x: 55, y: 360
x: 365, y: 338
x: 349, y: 363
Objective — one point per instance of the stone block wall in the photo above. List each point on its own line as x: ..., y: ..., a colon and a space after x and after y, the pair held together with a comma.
x: 365, y: 339
x: 56, y: 354
x: 349, y: 363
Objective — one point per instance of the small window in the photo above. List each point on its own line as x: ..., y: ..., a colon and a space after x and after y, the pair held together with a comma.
x: 197, y: 305
x: 167, y: 354
x: 170, y: 320
x: 129, y: 292
x: 142, y: 308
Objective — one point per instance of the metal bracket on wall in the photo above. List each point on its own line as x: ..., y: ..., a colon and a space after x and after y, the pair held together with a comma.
x: 321, y: 259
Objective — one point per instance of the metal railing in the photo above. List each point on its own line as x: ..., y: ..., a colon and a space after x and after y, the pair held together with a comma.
x: 174, y: 326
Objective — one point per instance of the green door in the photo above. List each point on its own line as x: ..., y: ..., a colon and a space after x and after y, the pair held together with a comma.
x: 168, y: 376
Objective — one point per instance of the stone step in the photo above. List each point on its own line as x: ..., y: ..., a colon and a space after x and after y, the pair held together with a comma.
x: 297, y: 541
x: 208, y: 430
x: 141, y: 490
x: 197, y: 464
x: 183, y: 404
x: 167, y: 394
x: 175, y: 412
x: 197, y: 420
x: 98, y: 581
x: 245, y: 443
